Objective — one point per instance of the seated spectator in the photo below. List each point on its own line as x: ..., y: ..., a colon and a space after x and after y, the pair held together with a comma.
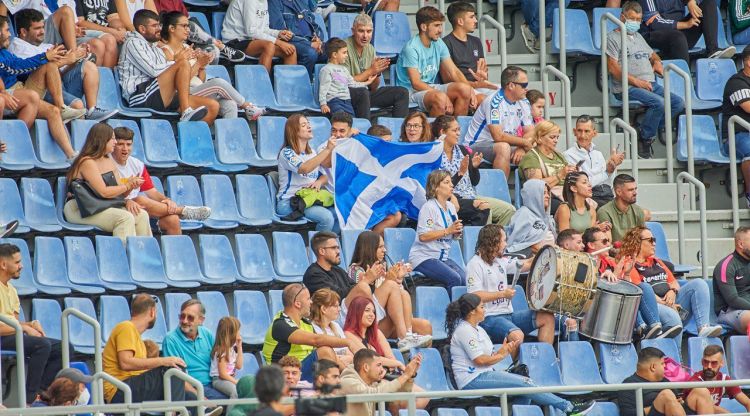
x: 335, y: 82
x: 732, y: 285
x: 473, y: 359
x: 292, y: 375
x: 643, y: 63
x: 438, y: 225
x: 101, y: 16
x: 127, y: 9
x: 650, y: 369
x: 570, y: 239
x: 575, y: 212
x: 79, y: 76
x: 146, y: 197
x: 363, y: 64
x: 95, y: 166
x: 297, y: 21
x: 622, y: 212
x: 43, y: 355
x: 395, y: 318
x: 327, y: 377
x: 291, y: 333
x: 245, y: 390
x: 530, y: 30
x: 174, y: 34
x: 149, y: 81
x: 588, y: 159
x: 367, y: 376
x: 712, y: 361
x: 466, y: 50
x: 226, y: 356
x: 269, y: 389
x: 192, y: 342
x: 300, y: 175
x: 464, y: 168
x: 495, y: 126
x: 422, y: 59
x: 381, y: 131
x: 536, y: 103
x: 416, y: 128
x: 736, y: 102
x: 737, y: 15
x: 545, y: 162
x: 532, y: 227
x: 324, y: 315
x: 246, y: 27
x: 76, y: 376
x: 62, y: 392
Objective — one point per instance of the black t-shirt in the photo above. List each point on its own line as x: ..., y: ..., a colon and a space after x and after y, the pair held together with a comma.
x: 465, y: 54
x: 626, y: 398
x: 335, y: 279
x: 736, y: 92
x: 654, y: 274
x: 96, y: 11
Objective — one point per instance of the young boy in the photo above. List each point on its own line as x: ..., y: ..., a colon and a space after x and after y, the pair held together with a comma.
x: 335, y: 80
x: 379, y: 130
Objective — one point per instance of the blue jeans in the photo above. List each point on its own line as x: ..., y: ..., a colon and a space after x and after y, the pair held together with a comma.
x: 530, y: 10
x: 653, y: 120
x: 499, y: 326
x: 694, y: 298
x: 213, y: 394
x: 72, y: 85
x: 504, y: 379
x: 445, y: 271
x: 337, y: 104
x: 669, y: 318
x: 742, y: 146
x: 306, y: 55
x: 325, y: 218
x: 648, y: 309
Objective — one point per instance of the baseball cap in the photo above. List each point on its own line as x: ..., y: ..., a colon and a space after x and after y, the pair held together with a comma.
x: 75, y: 375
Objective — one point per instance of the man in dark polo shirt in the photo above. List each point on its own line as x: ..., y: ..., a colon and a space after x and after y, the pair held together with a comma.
x: 622, y: 212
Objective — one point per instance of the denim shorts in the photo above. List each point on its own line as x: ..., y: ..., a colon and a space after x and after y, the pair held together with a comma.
x: 731, y: 317
x: 742, y: 146
x: 72, y: 83
x: 499, y: 326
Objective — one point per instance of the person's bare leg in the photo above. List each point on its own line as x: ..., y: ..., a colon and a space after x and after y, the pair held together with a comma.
x: 263, y: 50
x: 391, y: 5
x: 57, y: 129
x: 666, y: 403
x: 65, y: 22
x: 389, y: 222
x: 435, y: 102
x: 111, y: 56
x: 28, y: 106
x: 460, y: 95
x: 168, y: 223
x: 502, y: 157
x: 211, y: 105
x: 745, y: 320
x: 176, y: 74
x: 290, y: 59
x: 390, y: 299
x: 516, y: 335
x: 421, y: 326
x: 48, y: 76
x: 90, y: 83
x: 614, y: 3
x: 545, y: 323
x: 406, y: 303
x: 97, y: 47
x: 699, y: 400
x: 2, y: 107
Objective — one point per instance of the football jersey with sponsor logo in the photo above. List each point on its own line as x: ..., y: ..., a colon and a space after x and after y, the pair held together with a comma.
x: 432, y: 218
x: 499, y: 111
x: 468, y: 343
x: 483, y: 277
x: 290, y: 180
x: 716, y: 392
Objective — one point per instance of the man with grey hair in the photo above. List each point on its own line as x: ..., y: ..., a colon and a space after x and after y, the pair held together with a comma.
x: 362, y: 64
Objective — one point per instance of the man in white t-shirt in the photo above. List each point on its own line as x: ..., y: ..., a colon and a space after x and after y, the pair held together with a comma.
x: 147, y: 197
x: 502, y: 122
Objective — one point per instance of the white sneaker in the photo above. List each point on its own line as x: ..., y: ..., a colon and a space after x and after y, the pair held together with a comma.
x: 216, y: 411
x: 195, y: 213
x: 100, y: 114
x: 727, y: 53
x: 72, y: 158
x: 670, y: 332
x: 413, y: 341
x: 710, y: 331
x: 529, y: 38
x: 194, y: 114
x: 70, y: 113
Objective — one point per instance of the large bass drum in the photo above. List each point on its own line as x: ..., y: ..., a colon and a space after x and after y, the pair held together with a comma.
x: 612, y: 315
x: 561, y: 281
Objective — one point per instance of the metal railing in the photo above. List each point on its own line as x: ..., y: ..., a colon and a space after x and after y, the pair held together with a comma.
x: 549, y: 69
x: 65, y: 331
x: 685, y: 176
x: 501, y: 45
x: 543, y: 35
x: 100, y: 377
x: 605, y: 72
x: 688, y: 82
x: 733, y: 167
x: 499, y: 14
x: 630, y: 136
x: 20, y: 359
x: 175, y: 372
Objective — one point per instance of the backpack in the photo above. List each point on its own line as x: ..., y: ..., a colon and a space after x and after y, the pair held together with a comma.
x: 675, y: 371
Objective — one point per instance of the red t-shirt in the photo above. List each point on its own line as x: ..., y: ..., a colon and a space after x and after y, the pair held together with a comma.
x: 716, y: 392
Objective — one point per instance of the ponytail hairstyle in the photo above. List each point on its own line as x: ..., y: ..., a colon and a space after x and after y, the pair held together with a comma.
x: 459, y: 310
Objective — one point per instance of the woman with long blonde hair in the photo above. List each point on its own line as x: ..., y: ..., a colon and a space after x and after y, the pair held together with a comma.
x: 226, y: 356
x: 325, y: 310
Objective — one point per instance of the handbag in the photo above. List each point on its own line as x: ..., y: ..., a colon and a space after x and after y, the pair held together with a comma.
x: 674, y: 371
x: 89, y: 201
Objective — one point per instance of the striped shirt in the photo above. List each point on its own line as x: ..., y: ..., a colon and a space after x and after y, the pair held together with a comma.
x: 140, y: 61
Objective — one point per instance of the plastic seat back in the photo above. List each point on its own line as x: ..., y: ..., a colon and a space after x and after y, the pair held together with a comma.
x: 216, y: 308
x: 488, y: 411
x: 419, y: 412
x: 431, y: 375
x: 275, y: 304
x: 662, y: 250
x: 321, y: 131
x: 251, y: 309
x: 578, y: 364
x: 49, y: 262
x: 617, y: 362
x: 270, y: 136
x: 292, y: 86
x: 159, y: 143
x: 666, y: 345
x: 253, y: 82
x: 10, y: 205
x: 184, y: 190
x: 470, y: 235
x: 234, y: 142
x: 739, y: 350
x: 393, y: 124
x: 112, y: 311
x: 145, y: 261
x: 577, y: 33
x: 217, y: 18
x: 696, y: 345
x: 159, y: 331
x: 218, y: 71
x: 604, y: 409
x: 527, y: 410
x: 79, y: 130
x: 25, y: 284
x: 431, y: 302
x: 137, y: 141
x: 201, y: 19
x: 542, y: 362
x: 253, y: 199
x: 445, y: 411
x: 254, y: 259
x: 250, y: 366
x: 711, y: 76
x: 49, y: 313
x: 398, y: 243
x: 361, y: 124
x: 597, y: 32
x: 109, y: 92
x: 39, y: 204
x: 218, y: 194
x: 173, y: 308
x: 705, y: 143
x: 112, y: 261
x: 732, y: 405
x: 340, y: 25
x: 217, y: 257
x: 81, y: 333
x: 289, y: 255
x: 391, y: 33
x: 20, y: 152
x: 494, y: 184
x: 81, y: 261
x: 196, y: 145
x: 181, y: 261
x: 348, y: 243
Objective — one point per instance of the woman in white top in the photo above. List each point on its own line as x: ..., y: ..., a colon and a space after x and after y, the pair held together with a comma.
x: 126, y: 10
x: 299, y: 167
x: 324, y: 312
x: 437, y: 226
x: 473, y: 361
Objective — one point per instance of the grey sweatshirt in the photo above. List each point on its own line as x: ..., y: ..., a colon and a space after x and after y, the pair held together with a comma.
x: 335, y: 81
x: 248, y: 19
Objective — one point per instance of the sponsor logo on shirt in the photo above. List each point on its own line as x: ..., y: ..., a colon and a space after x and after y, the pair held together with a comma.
x: 495, y: 116
x: 476, y: 53
x: 473, y: 344
x: 430, y: 222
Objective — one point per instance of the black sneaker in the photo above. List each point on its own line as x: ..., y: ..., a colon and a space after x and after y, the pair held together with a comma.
x: 581, y: 407
x: 670, y: 332
x: 645, y: 149
x: 232, y: 55
x: 653, y: 331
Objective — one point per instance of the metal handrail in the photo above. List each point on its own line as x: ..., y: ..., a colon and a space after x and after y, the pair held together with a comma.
x: 20, y: 359
x: 485, y: 19
x: 733, y: 167
x: 632, y: 136
x: 688, y: 81
x: 566, y: 98
x: 65, y: 331
x: 98, y: 381
x: 685, y: 176
x: 500, y: 13
x: 543, y: 35
x: 605, y: 70
x: 175, y: 372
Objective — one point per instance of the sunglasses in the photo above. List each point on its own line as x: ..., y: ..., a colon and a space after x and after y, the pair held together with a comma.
x: 186, y: 317
x: 651, y: 240
x: 712, y: 363
x: 522, y: 84
x: 605, y: 240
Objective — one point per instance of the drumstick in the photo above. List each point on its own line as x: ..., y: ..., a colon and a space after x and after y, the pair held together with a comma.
x: 598, y: 252
x: 519, y: 264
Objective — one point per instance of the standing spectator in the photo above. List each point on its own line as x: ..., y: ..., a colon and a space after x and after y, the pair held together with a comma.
x: 584, y: 155
x: 736, y: 102
x: 422, y: 59
x: 732, y: 285
x: 226, y: 356
x: 43, y: 355
x: 466, y: 50
x: 643, y: 63
x: 622, y: 212
x: 127, y: 9
x: 711, y: 362
x: 530, y: 30
x: 495, y: 126
x: 363, y: 64
x: 416, y: 128
x: 297, y: 18
x: 335, y: 82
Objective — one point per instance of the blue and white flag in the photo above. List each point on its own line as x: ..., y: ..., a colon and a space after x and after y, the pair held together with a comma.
x: 375, y: 178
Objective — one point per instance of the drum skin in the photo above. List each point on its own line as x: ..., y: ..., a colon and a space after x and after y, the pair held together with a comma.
x: 613, y: 313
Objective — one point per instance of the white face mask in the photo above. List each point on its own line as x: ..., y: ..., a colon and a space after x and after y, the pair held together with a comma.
x: 83, y: 398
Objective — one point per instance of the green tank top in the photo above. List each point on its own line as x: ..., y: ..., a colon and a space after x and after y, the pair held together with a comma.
x: 579, y: 222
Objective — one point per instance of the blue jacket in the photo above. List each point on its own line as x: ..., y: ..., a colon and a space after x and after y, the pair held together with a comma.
x: 294, y: 15
x: 12, y: 66
x: 662, y: 14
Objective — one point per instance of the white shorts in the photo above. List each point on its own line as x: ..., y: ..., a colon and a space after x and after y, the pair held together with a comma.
x: 417, y: 97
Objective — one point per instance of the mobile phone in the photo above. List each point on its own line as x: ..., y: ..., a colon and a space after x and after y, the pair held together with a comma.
x: 581, y: 272
x: 618, y: 148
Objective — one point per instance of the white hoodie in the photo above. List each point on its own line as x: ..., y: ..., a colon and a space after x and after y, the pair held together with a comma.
x: 248, y: 19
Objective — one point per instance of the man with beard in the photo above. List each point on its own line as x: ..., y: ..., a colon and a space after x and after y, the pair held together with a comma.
x: 712, y: 362
x: 44, y: 355
x: 732, y: 284
x: 622, y: 212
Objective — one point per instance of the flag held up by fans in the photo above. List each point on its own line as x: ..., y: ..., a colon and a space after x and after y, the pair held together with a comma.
x: 375, y: 178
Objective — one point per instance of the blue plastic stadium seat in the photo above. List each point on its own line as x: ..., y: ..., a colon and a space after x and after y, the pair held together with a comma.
x: 361, y: 124
x: 172, y: 308
x: 112, y: 261
x: 398, y: 355
x: 146, y: 266
x: 293, y: 88
x: 446, y: 411
x: 137, y: 141
x: 250, y: 366
x: 457, y: 292
x: 112, y: 311
x: 49, y: 313
x: 275, y: 304
x: 11, y: 207
x: 159, y: 144
x: 431, y: 375
x: 79, y: 129
x: 431, y: 302
x: 39, y: 205
x: 289, y: 256
x: 50, y: 266
x: 666, y: 345
x: 398, y: 243
x: 254, y: 259
x: 470, y: 235
x: 348, y: 243
x: 81, y: 333
x: 25, y: 285
x: 597, y: 33
x: 321, y: 128
x: 235, y: 144
x: 492, y: 183
x: 732, y: 405
x: 696, y: 345
x: 197, y: 148
x: 527, y: 410
x: 617, y: 362
x: 159, y: 331
x: 677, y: 86
x: 739, y: 350
x: 604, y: 409
x: 340, y: 25
x: 216, y: 308
x: 272, y: 182
x: 577, y: 34
x: 217, y: 258
x: 48, y: 151
x: 711, y: 76
x: 181, y: 262
x: 270, y: 137
x: 218, y: 194
x: 322, y: 25
x: 391, y: 33
x: 83, y: 268
x: 456, y: 255
x: 463, y: 123
x: 110, y: 95
x: 419, y: 412
x: 218, y: 71
x: 662, y: 250
x: 251, y: 309
x: 578, y: 364
x: 488, y: 411
x: 542, y: 362
x: 184, y: 190
x: 706, y: 147
x: 20, y: 151
x: 254, y: 83
x: 217, y: 18
x: 201, y: 19
x: 254, y: 202
x: 393, y: 124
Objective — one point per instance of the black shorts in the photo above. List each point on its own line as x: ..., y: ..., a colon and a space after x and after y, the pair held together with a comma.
x: 688, y: 411
x: 239, y: 44
x: 147, y: 95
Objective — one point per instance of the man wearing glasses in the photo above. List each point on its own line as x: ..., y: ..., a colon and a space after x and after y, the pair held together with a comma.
x: 712, y: 362
x: 494, y: 128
